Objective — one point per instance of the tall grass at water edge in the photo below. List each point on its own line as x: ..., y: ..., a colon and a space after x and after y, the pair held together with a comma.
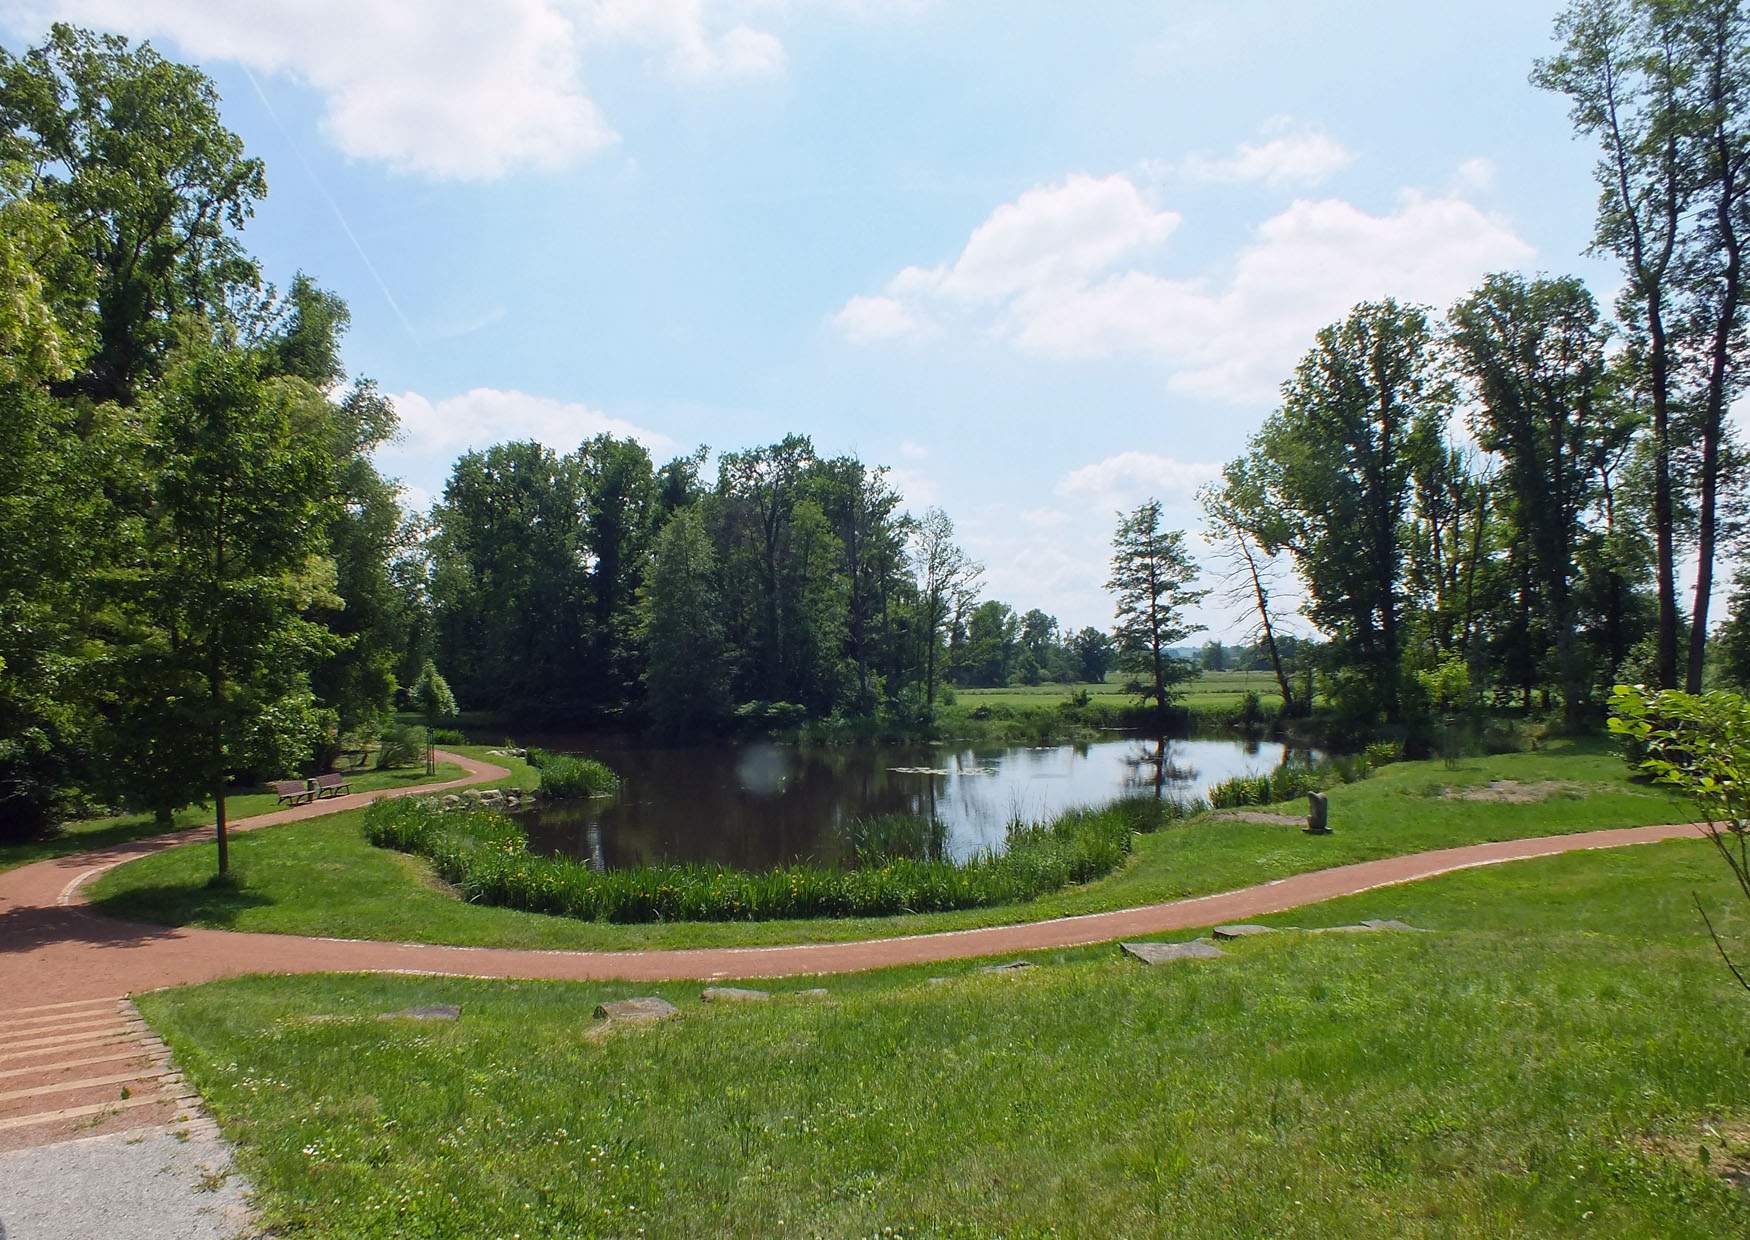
x: 485, y: 856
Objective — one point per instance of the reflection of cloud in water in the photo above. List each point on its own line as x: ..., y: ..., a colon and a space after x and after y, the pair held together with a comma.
x: 763, y: 769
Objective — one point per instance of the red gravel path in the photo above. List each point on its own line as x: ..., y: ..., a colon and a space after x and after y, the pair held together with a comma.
x: 54, y: 950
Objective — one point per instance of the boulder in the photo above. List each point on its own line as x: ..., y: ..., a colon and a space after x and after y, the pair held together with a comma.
x: 1163, y: 953
x: 642, y: 1011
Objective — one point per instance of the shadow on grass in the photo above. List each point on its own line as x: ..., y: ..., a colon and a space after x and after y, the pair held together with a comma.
x: 210, y: 902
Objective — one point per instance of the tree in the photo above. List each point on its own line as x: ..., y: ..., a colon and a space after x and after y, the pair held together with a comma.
x: 1533, y: 353
x: 686, y: 678
x: 1152, y: 575
x: 1231, y: 518
x: 947, y: 581
x: 1094, y: 654
x: 215, y: 676
x: 431, y: 697
x: 128, y: 147
x: 1662, y: 86
x: 1335, y: 465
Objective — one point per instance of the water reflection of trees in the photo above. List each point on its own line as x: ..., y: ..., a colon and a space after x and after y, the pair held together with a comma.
x: 1153, y: 768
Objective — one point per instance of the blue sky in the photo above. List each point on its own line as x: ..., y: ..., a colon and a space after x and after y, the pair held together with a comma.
x: 1042, y: 259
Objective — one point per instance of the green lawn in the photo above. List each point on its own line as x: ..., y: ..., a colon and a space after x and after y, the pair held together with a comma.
x: 1551, y: 1062
x: 320, y: 877
x: 91, y: 833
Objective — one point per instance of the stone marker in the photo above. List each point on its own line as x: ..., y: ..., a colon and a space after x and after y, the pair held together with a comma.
x: 939, y: 981
x: 1161, y: 953
x: 1391, y: 924
x: 1012, y: 966
x: 1318, y: 818
x: 641, y: 1011
x: 817, y: 992
x: 1240, y: 932
x: 732, y: 994
x: 437, y: 1011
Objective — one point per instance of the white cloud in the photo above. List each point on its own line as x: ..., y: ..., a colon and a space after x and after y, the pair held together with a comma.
x: 1071, y: 272
x: 912, y: 450
x: 865, y: 319
x: 435, y: 432
x: 915, y: 487
x: 1474, y: 176
x: 1131, y: 477
x: 681, y: 33
x: 455, y: 89
x: 1056, y: 233
x: 1291, y: 153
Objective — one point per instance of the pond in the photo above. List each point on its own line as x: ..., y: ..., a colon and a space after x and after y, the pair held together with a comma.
x: 757, y: 805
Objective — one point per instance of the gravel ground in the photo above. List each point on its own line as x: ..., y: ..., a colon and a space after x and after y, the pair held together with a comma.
x: 149, y: 1186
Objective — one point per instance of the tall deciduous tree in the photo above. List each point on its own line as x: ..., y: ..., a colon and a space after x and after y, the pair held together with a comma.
x: 1336, y: 463
x: 686, y: 678
x: 1249, y: 572
x: 1663, y: 87
x: 129, y: 148
x: 1151, y: 583
x: 947, y: 582
x: 234, y: 557
x: 1533, y: 352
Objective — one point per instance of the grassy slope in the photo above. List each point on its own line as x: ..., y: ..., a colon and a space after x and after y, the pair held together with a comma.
x: 321, y: 877
x: 103, y: 832
x: 1549, y: 1063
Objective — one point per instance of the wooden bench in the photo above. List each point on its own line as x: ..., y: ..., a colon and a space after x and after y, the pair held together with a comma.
x: 332, y: 785
x: 293, y: 791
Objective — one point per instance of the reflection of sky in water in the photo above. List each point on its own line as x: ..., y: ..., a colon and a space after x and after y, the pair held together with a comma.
x: 761, y: 804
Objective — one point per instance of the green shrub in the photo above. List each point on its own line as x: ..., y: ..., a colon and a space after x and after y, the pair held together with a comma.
x: 566, y: 775
x: 403, y: 745
x: 485, y: 856
x: 448, y: 736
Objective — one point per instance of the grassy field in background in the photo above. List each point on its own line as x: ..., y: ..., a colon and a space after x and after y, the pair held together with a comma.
x: 320, y: 877
x: 89, y: 833
x: 1552, y: 1061
x: 1208, y: 693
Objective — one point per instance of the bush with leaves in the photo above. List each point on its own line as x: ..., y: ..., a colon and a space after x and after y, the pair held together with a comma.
x: 403, y: 745
x: 1698, y: 743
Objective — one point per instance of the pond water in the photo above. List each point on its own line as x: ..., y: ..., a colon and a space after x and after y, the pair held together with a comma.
x: 757, y: 805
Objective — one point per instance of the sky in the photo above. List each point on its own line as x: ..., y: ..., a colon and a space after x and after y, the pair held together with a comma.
x: 1043, y: 260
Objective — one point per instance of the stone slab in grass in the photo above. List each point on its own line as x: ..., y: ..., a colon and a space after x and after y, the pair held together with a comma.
x: 1368, y: 927
x: 814, y: 992
x: 1241, y: 931
x: 642, y: 1011
x: 733, y: 994
x: 434, y: 1011
x: 1163, y: 953
x: 1012, y: 966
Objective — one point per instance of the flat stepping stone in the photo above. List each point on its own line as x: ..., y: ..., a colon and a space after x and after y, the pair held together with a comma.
x: 817, y: 992
x: 643, y: 1011
x: 732, y: 994
x: 1240, y: 932
x: 1162, y: 953
x: 1013, y: 966
x: 1368, y: 926
x: 435, y: 1011
x: 938, y: 981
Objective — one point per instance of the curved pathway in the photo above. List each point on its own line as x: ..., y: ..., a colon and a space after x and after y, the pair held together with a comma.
x: 53, y: 950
